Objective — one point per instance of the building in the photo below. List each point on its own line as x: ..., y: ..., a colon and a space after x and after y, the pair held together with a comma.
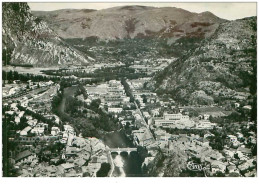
x: 39, y: 128
x: 69, y: 129
x: 162, y: 135
x: 25, y: 131
x: 115, y: 110
x: 143, y: 137
x: 25, y: 156
x: 55, y: 131
x: 174, y: 121
x: 205, y: 124
x: 217, y: 166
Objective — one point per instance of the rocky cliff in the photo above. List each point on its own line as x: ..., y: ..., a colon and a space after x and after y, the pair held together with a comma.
x: 219, y: 68
x: 167, y: 164
x: 28, y: 40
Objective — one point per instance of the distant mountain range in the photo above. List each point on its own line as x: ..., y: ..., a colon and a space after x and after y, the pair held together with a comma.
x: 130, y: 22
x: 27, y: 40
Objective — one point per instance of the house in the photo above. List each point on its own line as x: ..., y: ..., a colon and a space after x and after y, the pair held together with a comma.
x: 72, y: 151
x: 25, y: 156
x: 17, y: 119
x: 14, y: 107
x: 244, y: 151
x: 229, y: 153
x: 202, y: 141
x: 216, y: 156
x: 232, y: 138
x: 79, y: 142
x: 247, y: 107
x: 80, y: 162
x: 218, y: 166
x: 232, y: 169
x: 9, y: 113
x: 69, y: 129
x: 70, y: 139
x: 155, y: 112
x: 246, y: 165
x: 251, y: 173
x: 162, y: 135
x: 25, y: 131
x: 32, y: 122
x: 67, y: 166
x: 38, y: 129
x: 55, y: 131
x: 147, y: 161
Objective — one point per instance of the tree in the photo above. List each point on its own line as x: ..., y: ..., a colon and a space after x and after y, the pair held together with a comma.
x: 236, y: 156
x: 143, y: 152
x: 144, y: 97
x: 95, y: 104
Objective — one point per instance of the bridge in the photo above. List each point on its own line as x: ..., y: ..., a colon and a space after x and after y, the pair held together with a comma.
x: 119, y: 150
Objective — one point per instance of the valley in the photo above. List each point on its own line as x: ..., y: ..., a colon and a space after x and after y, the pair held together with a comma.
x: 177, y: 87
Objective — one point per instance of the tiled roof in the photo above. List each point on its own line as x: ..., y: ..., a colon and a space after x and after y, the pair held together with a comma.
x: 23, y: 155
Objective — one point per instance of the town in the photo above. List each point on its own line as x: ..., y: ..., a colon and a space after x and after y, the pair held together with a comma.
x: 56, y: 127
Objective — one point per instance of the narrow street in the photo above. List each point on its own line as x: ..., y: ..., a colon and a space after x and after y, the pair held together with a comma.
x: 147, y: 126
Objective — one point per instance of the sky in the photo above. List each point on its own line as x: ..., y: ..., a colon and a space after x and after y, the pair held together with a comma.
x: 229, y: 11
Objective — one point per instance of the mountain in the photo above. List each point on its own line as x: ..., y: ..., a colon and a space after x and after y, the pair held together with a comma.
x: 222, y: 67
x: 130, y: 22
x: 28, y: 40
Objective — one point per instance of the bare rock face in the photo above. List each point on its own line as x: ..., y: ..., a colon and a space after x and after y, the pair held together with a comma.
x: 221, y: 66
x: 28, y: 40
x: 130, y: 22
x: 168, y: 165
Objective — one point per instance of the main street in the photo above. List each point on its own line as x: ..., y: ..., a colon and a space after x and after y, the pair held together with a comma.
x: 143, y: 119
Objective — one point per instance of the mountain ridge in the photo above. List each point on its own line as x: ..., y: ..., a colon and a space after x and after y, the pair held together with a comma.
x: 130, y: 22
x: 218, y: 69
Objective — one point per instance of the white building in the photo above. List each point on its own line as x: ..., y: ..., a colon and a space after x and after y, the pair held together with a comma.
x: 25, y: 131
x: 55, y: 131
x: 114, y: 110
x: 69, y: 129
x: 174, y: 121
x: 205, y: 124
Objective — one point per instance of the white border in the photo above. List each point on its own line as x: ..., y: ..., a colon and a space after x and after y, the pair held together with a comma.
x: 144, y: 186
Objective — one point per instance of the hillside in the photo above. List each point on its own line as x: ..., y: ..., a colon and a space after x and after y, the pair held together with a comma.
x: 220, y: 68
x: 130, y: 22
x: 28, y: 40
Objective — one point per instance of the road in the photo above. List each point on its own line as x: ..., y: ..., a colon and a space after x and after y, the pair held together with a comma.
x: 110, y: 160
x: 143, y: 119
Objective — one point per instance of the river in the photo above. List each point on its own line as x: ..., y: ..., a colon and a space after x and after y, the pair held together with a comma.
x: 69, y: 91
x: 128, y: 165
